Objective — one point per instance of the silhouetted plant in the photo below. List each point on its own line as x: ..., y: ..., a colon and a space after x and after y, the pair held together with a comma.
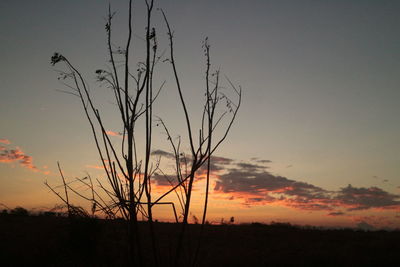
x: 130, y: 176
x: 19, y: 211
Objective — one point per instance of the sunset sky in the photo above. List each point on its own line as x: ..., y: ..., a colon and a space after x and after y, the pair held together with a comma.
x: 316, y: 140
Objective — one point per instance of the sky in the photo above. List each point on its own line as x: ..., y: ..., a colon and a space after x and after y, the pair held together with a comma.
x: 316, y: 138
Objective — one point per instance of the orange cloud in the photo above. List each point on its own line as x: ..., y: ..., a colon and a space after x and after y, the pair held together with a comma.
x: 17, y: 155
x: 112, y: 133
x: 98, y: 167
x: 5, y: 141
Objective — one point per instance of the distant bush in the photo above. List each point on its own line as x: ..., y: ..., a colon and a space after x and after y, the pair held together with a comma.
x: 49, y: 214
x: 19, y: 211
x: 257, y: 224
x: 282, y: 225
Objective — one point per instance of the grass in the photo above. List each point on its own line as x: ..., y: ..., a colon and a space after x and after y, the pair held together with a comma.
x: 59, y: 241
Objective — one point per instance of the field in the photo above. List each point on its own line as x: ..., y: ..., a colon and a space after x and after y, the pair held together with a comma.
x: 58, y: 241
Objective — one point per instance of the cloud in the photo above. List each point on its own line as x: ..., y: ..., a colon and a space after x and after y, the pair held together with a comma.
x: 221, y: 160
x: 112, y: 133
x: 217, y: 165
x: 163, y: 153
x: 365, y: 198
x: 252, y: 184
x: 17, y: 155
x: 250, y: 167
x: 164, y: 180
x: 263, y: 187
x: 5, y: 141
x: 264, y: 161
x: 98, y: 167
x: 336, y: 213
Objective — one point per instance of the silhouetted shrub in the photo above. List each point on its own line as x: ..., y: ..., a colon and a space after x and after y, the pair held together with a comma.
x: 49, y: 213
x: 257, y: 224
x: 19, y: 211
x: 282, y: 225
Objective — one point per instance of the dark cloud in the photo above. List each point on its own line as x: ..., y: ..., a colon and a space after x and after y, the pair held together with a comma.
x: 250, y: 167
x: 248, y: 182
x: 217, y: 164
x: 256, y: 186
x: 336, y: 213
x: 260, y: 160
x: 163, y: 153
x: 264, y: 161
x: 214, y: 167
x: 221, y: 160
x: 308, y: 204
x: 266, y: 187
x: 164, y: 180
x: 365, y: 198
x: 215, y: 160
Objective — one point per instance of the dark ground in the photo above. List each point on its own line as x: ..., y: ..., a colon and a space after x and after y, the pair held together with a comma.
x: 58, y: 241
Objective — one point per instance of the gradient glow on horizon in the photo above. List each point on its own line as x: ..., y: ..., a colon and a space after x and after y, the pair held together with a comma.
x: 320, y: 104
